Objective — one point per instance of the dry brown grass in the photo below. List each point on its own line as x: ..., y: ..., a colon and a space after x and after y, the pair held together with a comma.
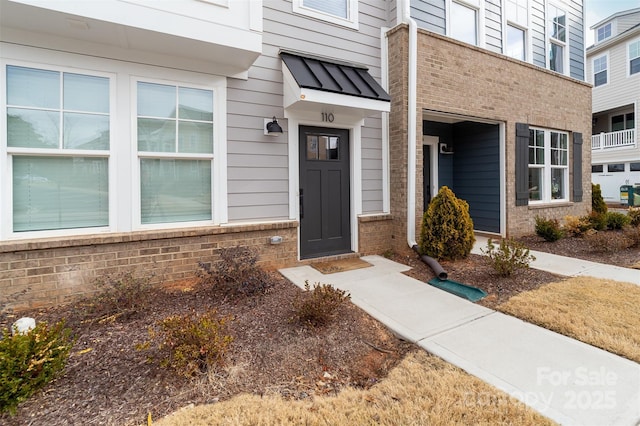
x: 602, y: 313
x: 422, y: 389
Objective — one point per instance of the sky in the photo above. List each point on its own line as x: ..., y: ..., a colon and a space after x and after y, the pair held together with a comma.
x: 597, y: 10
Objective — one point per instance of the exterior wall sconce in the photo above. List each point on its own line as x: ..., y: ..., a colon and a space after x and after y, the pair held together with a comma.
x: 271, y: 127
x: 445, y: 148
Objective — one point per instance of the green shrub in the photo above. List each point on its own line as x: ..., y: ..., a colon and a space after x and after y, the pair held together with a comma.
x: 447, y: 228
x: 30, y: 361
x: 598, y: 221
x: 549, y: 229
x: 608, y: 242
x: 192, y: 344
x: 121, y: 296
x: 616, y: 220
x: 317, y: 305
x: 597, y: 202
x: 510, y: 256
x: 634, y: 216
x: 236, y: 272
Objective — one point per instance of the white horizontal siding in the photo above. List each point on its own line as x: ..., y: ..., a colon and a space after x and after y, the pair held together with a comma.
x: 620, y: 90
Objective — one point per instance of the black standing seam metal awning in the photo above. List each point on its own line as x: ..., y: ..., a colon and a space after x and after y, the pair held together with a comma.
x: 317, y: 74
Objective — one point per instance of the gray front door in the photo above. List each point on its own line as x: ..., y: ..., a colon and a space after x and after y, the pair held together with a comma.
x: 325, y: 227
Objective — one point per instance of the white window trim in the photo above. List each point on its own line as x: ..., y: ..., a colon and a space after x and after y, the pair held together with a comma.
x: 628, y: 62
x: 480, y: 18
x: 564, y: 44
x: 610, y: 24
x: 350, y: 22
x: 593, y: 70
x: 123, y: 153
x: 218, y: 159
x: 528, y: 47
x: 6, y: 165
x: 547, y: 167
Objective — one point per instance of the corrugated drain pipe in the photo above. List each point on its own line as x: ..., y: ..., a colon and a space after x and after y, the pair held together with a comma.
x: 432, y: 263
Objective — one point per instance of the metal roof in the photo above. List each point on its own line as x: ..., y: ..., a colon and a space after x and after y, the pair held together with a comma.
x: 335, y: 77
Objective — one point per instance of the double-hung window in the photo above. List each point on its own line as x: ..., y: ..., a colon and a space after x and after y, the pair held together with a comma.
x: 517, y: 22
x: 548, y: 165
x: 557, y: 30
x: 600, y: 71
x: 342, y: 12
x: 58, y: 147
x: 604, y: 32
x: 175, y: 133
x: 463, y: 21
x: 634, y: 57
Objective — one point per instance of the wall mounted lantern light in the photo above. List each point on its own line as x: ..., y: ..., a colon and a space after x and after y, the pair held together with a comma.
x: 272, y: 128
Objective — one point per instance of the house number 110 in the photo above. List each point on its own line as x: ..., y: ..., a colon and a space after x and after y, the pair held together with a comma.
x: 327, y: 116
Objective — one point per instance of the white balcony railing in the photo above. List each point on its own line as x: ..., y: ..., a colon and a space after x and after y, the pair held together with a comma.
x: 617, y: 139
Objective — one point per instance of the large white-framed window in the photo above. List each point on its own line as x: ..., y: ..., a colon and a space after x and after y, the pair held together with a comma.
x: 174, y: 136
x: 558, y: 46
x: 603, y: 32
x: 516, y: 44
x: 548, y: 166
x: 58, y: 149
x: 600, y: 70
x: 341, y: 12
x: 71, y: 157
x: 463, y: 21
x: 633, y: 57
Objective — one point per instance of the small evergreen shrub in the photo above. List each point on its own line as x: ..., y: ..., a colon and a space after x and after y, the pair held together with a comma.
x: 616, y: 220
x: 30, y: 361
x: 549, y: 229
x: 121, y: 296
x: 447, y: 228
x: 576, y: 225
x: 597, y: 202
x: 192, y: 344
x: 317, y: 305
x: 634, y: 216
x: 508, y: 257
x: 608, y: 242
x: 236, y: 272
x: 598, y: 221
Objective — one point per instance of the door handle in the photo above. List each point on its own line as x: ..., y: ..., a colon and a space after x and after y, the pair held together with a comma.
x: 301, y: 204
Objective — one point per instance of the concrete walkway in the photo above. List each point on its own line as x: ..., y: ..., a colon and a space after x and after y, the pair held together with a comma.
x: 568, y: 381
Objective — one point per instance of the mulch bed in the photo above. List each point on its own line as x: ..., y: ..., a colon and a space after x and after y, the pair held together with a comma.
x: 108, y: 381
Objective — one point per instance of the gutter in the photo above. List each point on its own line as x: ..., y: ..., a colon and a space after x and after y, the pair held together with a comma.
x: 411, y: 121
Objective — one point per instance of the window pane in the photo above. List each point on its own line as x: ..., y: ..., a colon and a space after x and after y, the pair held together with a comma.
x: 634, y: 167
x: 557, y: 23
x: 332, y: 7
x: 30, y: 87
x: 557, y: 184
x: 615, y: 168
x: 515, y: 43
x: 175, y: 190
x: 86, y: 131
x: 517, y: 11
x: 617, y: 123
x: 195, y: 104
x: 195, y: 137
x: 156, y: 135
x: 634, y: 66
x: 463, y: 23
x: 600, y: 78
x: 631, y: 122
x: 604, y: 32
x: 596, y: 168
x: 156, y: 100
x: 535, y: 184
x: 86, y: 93
x: 59, y: 193
x: 556, y: 58
x: 33, y: 129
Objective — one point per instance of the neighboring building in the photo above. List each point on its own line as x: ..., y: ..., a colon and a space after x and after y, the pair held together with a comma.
x: 136, y: 130
x: 613, y: 65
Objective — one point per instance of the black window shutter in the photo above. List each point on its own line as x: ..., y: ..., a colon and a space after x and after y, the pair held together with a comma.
x: 577, y: 167
x: 522, y: 164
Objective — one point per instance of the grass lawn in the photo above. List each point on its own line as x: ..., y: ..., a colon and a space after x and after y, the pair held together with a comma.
x: 422, y: 389
x: 602, y: 313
